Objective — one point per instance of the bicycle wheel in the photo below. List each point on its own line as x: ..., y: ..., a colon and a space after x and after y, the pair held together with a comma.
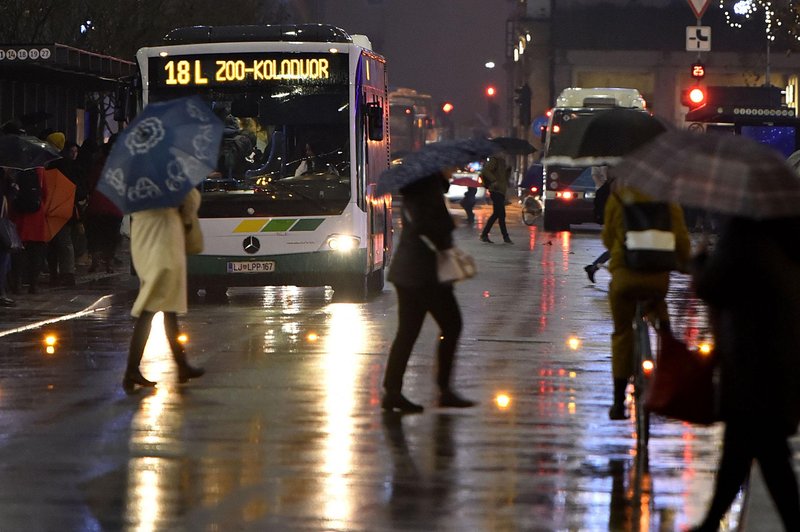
x: 642, y: 353
x: 531, y: 210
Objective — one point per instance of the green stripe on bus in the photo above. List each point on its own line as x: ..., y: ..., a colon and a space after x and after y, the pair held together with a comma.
x: 307, y: 224
x: 279, y: 226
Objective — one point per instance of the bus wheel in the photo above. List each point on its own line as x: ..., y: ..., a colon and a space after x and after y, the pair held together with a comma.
x: 353, y: 290
x: 216, y: 294
x: 552, y: 223
x: 375, y: 282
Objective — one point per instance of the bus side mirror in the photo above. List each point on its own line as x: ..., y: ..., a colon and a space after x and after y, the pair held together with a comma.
x: 375, y: 124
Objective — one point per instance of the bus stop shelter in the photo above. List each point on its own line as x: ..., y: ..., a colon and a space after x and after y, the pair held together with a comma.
x: 58, y: 87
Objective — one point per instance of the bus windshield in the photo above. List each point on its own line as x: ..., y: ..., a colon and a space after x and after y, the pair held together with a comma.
x: 285, y: 149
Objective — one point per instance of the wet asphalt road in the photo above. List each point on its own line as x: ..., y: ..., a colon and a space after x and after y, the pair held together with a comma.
x: 285, y: 430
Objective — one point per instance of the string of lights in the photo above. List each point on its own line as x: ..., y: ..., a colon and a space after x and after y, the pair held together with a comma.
x: 783, y: 17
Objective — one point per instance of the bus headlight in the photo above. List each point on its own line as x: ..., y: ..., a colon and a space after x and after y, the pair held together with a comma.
x: 343, y: 243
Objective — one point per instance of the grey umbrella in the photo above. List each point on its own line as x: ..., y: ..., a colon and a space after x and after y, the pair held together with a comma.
x: 720, y: 173
x: 434, y: 158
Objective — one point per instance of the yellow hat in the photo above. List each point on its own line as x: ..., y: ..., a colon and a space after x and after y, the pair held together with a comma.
x: 57, y: 139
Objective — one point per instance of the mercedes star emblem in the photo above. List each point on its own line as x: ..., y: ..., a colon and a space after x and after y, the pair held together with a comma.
x: 251, y: 245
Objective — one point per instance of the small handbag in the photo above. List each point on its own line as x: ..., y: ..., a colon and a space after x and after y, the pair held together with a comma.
x: 683, y: 385
x: 9, y: 237
x: 193, y: 237
x: 453, y: 264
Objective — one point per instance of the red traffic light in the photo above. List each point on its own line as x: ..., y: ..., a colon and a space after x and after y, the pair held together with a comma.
x: 490, y: 91
x: 447, y: 107
x: 694, y: 97
x: 697, y: 96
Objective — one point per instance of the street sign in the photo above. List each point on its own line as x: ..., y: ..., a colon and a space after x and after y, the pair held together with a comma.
x: 698, y: 38
x: 699, y: 7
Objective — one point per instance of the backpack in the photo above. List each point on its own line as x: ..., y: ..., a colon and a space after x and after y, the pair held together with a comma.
x: 27, y: 195
x: 649, y: 238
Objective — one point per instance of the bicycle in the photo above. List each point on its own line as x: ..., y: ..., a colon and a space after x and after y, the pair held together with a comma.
x: 644, y: 366
x: 532, y: 205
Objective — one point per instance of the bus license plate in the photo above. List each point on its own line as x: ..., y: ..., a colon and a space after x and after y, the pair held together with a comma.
x: 251, y: 266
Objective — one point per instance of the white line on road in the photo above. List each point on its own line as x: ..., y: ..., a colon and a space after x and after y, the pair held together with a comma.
x: 91, y: 309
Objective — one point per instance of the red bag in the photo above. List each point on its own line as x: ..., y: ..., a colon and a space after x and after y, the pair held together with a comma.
x: 683, y: 383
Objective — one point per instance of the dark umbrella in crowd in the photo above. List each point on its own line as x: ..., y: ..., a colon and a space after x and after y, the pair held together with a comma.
x: 603, y: 138
x: 722, y: 173
x: 166, y: 151
x: 23, y: 152
x: 434, y: 158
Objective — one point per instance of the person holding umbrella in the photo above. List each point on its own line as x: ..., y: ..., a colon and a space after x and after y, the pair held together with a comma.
x: 151, y: 172
x: 495, y: 174
x: 422, y: 179
x: 23, y: 158
x: 750, y: 282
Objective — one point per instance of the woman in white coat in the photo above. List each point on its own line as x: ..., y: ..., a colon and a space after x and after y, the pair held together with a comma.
x: 159, y: 257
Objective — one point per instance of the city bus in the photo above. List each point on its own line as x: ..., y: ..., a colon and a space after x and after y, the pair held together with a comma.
x: 306, y: 116
x: 411, y: 117
x: 568, y: 191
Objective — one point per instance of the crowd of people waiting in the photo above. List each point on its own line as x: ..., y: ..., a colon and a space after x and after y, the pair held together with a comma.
x: 90, y: 236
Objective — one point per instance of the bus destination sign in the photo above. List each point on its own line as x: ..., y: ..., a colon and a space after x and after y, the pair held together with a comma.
x: 247, y: 69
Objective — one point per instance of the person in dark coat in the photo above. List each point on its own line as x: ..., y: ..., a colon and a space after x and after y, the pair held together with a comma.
x: 103, y: 219
x: 468, y: 203
x: 751, y: 282
x: 413, y: 272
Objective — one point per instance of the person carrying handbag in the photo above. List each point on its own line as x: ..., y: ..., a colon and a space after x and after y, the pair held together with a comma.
x: 414, y: 273
x: 750, y: 282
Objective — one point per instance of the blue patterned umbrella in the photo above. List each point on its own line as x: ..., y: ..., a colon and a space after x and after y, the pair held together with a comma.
x: 166, y: 151
x: 434, y: 158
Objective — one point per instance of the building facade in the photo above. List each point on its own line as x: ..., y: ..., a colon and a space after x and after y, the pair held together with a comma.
x: 555, y: 44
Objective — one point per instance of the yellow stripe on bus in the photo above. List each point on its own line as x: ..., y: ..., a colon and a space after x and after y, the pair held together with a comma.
x: 250, y: 226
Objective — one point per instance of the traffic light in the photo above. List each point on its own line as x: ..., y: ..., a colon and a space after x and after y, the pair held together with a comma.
x: 491, y: 91
x: 523, y: 100
x: 447, y: 107
x: 693, y: 97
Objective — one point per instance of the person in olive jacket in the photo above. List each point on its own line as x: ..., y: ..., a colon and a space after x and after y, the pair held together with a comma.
x: 628, y: 286
x: 495, y: 174
x: 751, y: 282
x: 413, y: 272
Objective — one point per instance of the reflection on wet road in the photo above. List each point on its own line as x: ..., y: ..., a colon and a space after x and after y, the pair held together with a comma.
x: 285, y: 432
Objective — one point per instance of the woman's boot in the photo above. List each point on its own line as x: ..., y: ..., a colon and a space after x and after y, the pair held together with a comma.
x: 133, y: 377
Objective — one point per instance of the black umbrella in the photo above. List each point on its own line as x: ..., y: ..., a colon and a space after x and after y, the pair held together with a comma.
x: 603, y: 138
x: 514, y: 145
x: 434, y: 158
x: 23, y: 152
